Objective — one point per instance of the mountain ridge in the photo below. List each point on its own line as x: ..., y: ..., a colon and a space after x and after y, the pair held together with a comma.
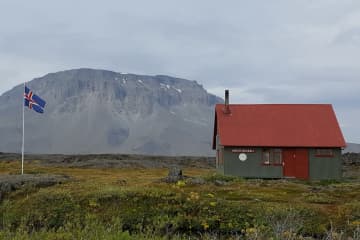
x: 352, y: 148
x: 100, y: 111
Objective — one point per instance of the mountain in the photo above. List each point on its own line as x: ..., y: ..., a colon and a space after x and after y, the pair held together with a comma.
x: 352, y: 147
x: 98, y: 111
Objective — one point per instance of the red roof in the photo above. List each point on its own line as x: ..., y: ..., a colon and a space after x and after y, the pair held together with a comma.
x: 278, y: 125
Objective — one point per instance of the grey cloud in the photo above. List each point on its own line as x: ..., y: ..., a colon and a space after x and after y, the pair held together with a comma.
x: 265, y: 52
x: 348, y: 37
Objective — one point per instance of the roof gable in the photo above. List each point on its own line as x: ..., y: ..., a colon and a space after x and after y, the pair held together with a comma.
x: 285, y: 125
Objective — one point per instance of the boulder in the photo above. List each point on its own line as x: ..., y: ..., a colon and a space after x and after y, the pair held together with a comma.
x: 174, y: 175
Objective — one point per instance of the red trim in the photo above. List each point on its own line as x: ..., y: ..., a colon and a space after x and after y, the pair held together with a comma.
x: 330, y: 155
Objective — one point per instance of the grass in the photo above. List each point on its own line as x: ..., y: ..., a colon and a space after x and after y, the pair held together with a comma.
x: 135, y: 204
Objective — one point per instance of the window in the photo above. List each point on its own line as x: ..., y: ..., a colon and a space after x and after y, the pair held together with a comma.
x: 272, y: 156
x: 324, y: 152
x: 266, y: 156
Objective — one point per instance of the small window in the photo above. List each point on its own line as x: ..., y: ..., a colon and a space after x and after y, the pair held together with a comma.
x: 266, y: 157
x: 272, y: 156
x: 324, y: 152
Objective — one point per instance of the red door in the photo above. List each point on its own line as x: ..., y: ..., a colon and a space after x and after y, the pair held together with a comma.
x: 296, y: 163
x: 289, y: 156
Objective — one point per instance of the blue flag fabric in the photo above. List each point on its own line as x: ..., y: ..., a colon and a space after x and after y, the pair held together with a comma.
x: 33, y: 101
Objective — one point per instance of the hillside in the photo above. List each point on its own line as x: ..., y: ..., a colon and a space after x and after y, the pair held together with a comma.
x: 64, y: 198
x: 352, y: 147
x: 98, y: 111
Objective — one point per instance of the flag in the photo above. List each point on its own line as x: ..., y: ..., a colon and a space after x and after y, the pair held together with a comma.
x: 33, y: 101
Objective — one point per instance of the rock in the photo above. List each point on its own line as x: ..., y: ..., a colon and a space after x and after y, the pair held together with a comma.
x: 351, y: 159
x: 175, y: 174
x: 10, y: 183
x: 315, y: 189
x: 220, y: 183
x: 197, y: 181
x: 5, y: 187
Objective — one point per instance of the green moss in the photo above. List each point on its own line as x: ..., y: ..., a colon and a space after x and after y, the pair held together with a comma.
x: 94, y: 206
x: 220, y: 177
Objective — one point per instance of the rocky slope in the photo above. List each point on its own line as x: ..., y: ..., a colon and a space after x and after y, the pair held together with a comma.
x: 98, y: 111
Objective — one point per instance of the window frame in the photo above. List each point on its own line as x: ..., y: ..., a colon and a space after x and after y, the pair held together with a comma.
x: 267, y: 153
x: 318, y: 152
x: 277, y: 151
x: 270, y: 159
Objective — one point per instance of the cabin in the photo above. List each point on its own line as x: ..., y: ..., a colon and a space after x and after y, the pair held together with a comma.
x: 302, y: 141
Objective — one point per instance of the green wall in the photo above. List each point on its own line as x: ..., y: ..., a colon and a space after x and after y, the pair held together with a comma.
x: 251, y: 168
x: 319, y: 167
x: 325, y: 167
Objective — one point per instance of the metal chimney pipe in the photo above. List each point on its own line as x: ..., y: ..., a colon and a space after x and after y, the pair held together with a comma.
x: 226, y: 97
x: 227, y: 107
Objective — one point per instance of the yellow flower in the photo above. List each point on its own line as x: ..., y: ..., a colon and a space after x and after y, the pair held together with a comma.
x: 355, y: 223
x: 180, y: 183
x: 211, y: 195
x: 250, y: 230
x: 213, y: 204
x: 194, y: 196
x: 205, y: 225
x: 93, y: 203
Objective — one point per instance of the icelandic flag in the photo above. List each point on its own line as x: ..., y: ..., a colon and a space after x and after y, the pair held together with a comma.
x: 33, y: 101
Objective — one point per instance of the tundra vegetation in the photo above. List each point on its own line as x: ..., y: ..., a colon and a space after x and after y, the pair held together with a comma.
x: 133, y: 202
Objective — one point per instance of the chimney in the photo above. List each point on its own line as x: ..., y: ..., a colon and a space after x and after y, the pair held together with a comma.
x: 227, y: 107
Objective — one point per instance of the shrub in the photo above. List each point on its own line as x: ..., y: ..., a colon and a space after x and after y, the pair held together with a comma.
x: 220, y: 177
x: 287, y: 220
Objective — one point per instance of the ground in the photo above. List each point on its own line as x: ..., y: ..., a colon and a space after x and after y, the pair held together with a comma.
x: 98, y: 197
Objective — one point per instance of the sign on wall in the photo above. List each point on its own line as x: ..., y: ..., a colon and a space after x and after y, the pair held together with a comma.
x: 242, y: 157
x: 243, y: 150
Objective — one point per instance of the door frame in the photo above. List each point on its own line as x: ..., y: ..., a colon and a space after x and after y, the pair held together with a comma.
x: 299, y: 162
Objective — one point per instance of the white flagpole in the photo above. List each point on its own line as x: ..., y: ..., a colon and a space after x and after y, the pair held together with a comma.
x: 23, y: 134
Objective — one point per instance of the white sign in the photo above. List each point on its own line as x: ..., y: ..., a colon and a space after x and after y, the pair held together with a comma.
x: 242, y: 157
x: 243, y: 150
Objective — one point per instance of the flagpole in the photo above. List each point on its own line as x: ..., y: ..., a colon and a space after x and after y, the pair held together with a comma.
x: 23, y: 133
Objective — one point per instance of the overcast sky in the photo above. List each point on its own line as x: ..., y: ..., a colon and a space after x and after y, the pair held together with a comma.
x: 264, y: 51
